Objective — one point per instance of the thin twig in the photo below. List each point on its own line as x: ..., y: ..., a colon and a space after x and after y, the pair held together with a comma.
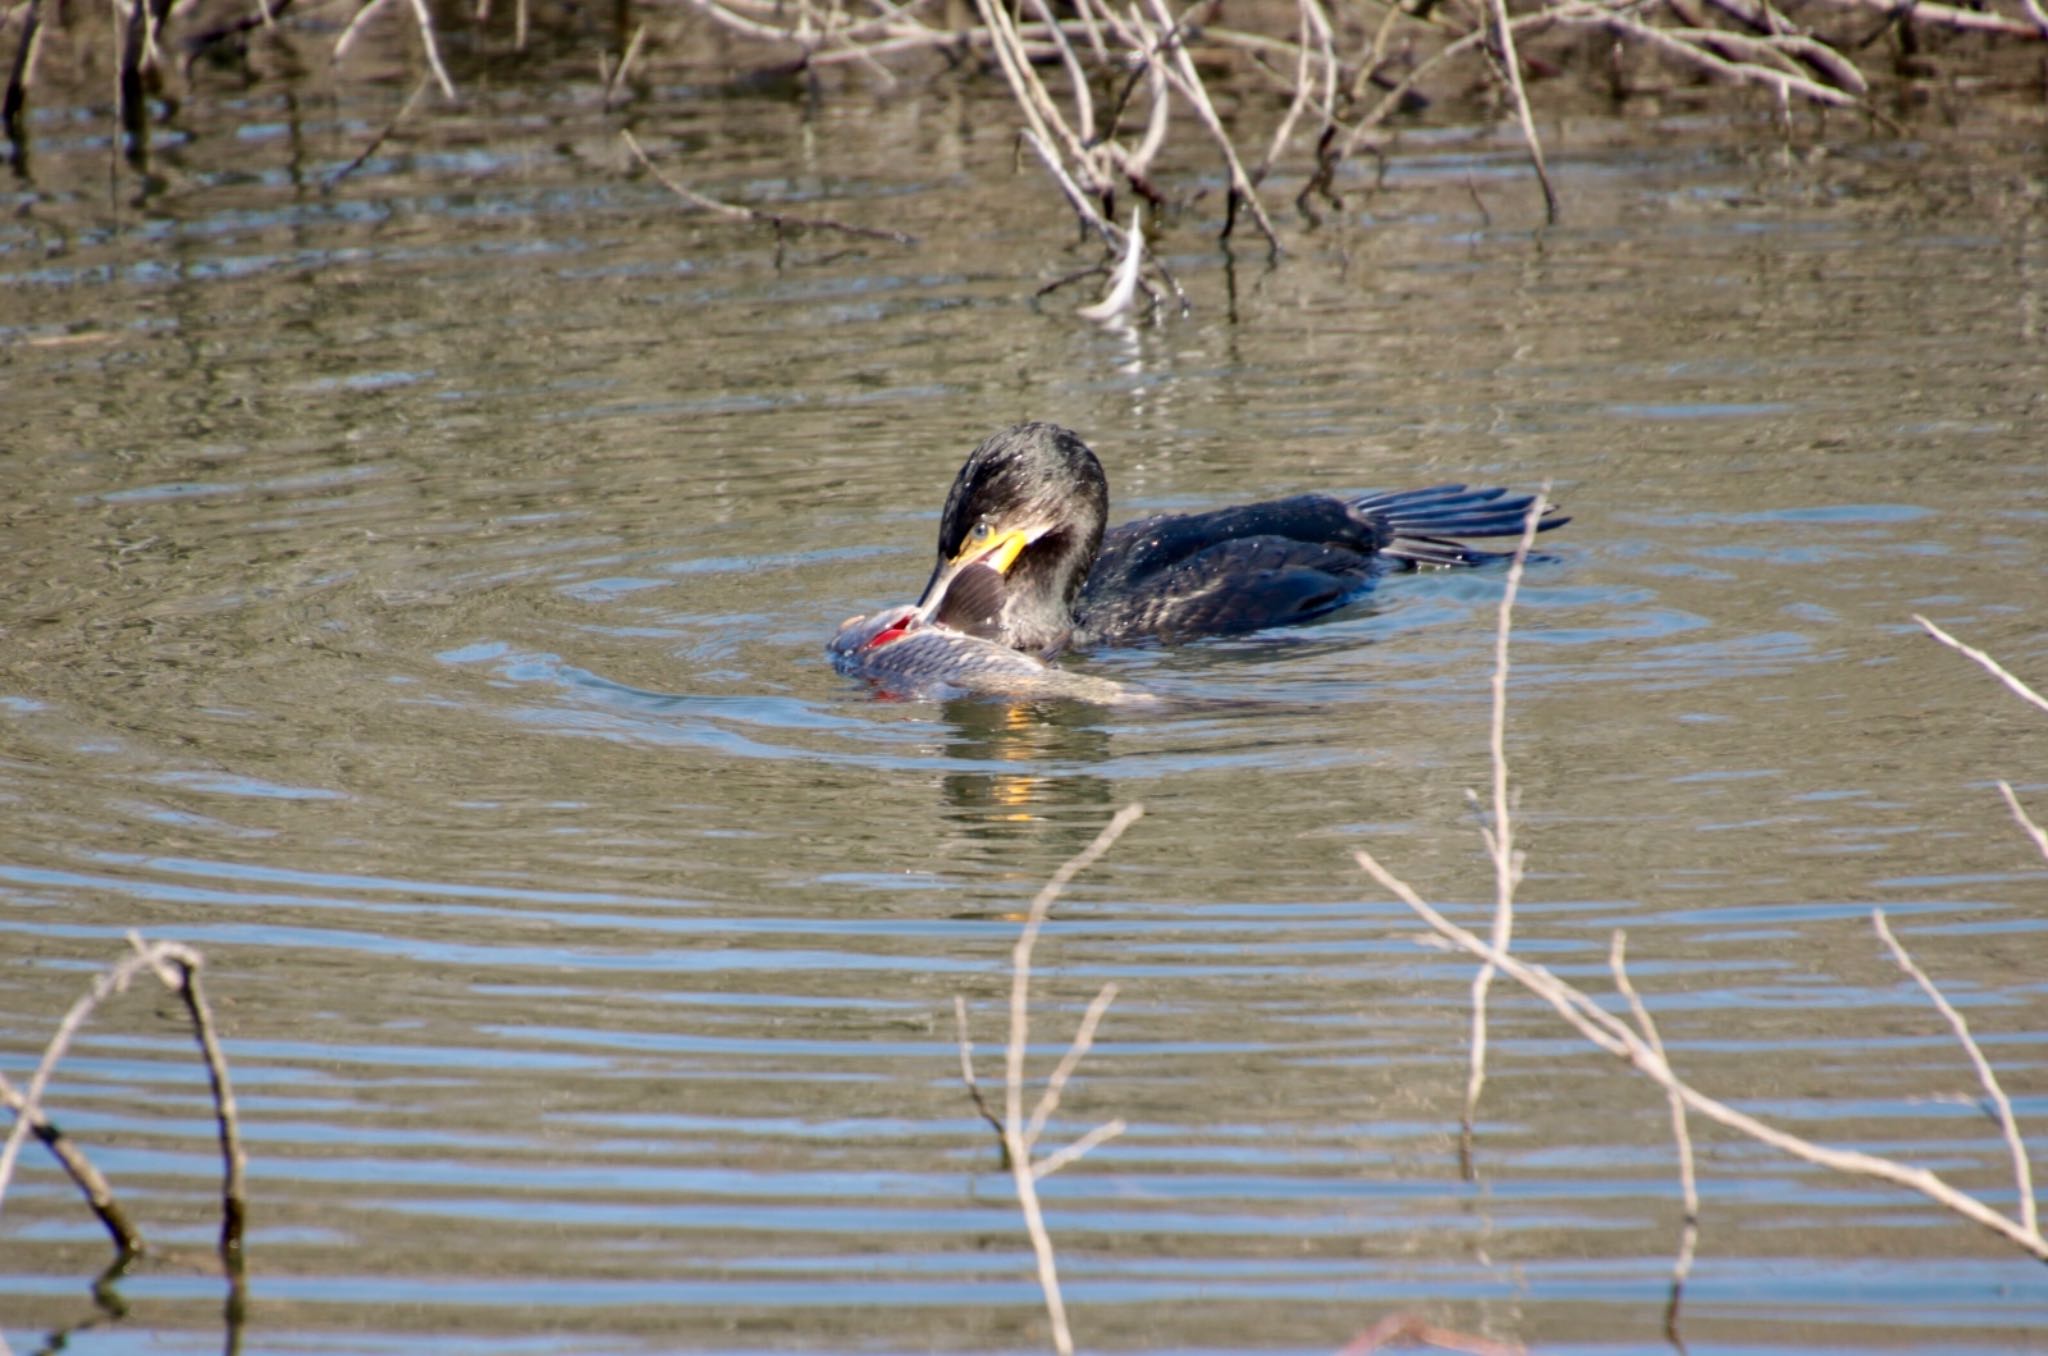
x: 2026, y: 693
x: 967, y: 1067
x: 2027, y: 826
x: 1101, y: 1134
x: 1681, y: 1135
x: 1511, y: 66
x: 1500, y: 836
x: 1391, y: 100
x: 179, y: 971
x: 1123, y: 284
x: 104, y: 986
x: 1312, y: 25
x: 178, y: 967
x: 1137, y: 164
x: 1030, y: 95
x: 1679, y: 45
x: 1084, y: 105
x: 1950, y: 16
x: 355, y: 26
x: 21, y: 74
x: 1083, y: 205
x: 1084, y: 11
x: 1020, y: 958
x: 1084, y: 1039
x: 363, y: 156
x: 1183, y: 76
x: 1617, y: 1039
x: 779, y: 220
x: 2022, y: 1170
x: 1017, y: 1147
x: 618, y: 77
x: 98, y: 1193
x: 425, y: 19
x: 1992, y: 666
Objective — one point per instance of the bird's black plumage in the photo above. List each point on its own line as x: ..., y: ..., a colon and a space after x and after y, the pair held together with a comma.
x: 1024, y: 558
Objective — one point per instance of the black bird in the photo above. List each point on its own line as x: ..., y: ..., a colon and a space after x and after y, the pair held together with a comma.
x: 1024, y: 561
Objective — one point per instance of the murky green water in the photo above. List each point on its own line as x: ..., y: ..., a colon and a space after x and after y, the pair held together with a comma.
x: 415, y: 597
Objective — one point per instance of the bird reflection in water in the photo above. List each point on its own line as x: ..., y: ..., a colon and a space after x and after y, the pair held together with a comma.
x: 1021, y: 757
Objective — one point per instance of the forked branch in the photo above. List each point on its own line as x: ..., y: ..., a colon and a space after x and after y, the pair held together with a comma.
x: 1018, y: 1131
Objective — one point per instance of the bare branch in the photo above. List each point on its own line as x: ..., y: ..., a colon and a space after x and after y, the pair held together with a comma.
x: 425, y: 20
x: 362, y: 157
x: 616, y: 78
x: 1020, y: 957
x: 1101, y: 1134
x: 1500, y: 835
x: 1017, y: 1136
x: 967, y: 1067
x: 1950, y: 16
x: 104, y: 986
x: 1681, y: 45
x: 2022, y: 1170
x: 1615, y: 1037
x: 355, y: 26
x: 1083, y: 205
x: 1123, y: 285
x: 779, y: 220
x: 177, y: 966
x: 180, y: 970
x: 1084, y: 1038
x: 98, y: 1194
x: 2028, y: 826
x: 1314, y: 27
x: 1990, y: 665
x: 1511, y: 67
x: 1681, y: 1135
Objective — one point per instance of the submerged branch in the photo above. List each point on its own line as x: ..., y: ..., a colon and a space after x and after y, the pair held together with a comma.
x: 1612, y: 1035
x: 1018, y: 1133
x: 779, y: 220
x: 177, y: 966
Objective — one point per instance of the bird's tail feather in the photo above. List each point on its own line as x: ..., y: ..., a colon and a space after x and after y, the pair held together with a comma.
x: 1423, y: 523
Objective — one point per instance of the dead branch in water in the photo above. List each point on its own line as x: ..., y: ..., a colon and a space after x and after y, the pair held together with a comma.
x: 1499, y: 834
x: 362, y: 157
x: 2022, y: 1169
x: 2025, y: 694
x: 781, y: 221
x: 1618, y: 1039
x: 422, y: 18
x: 1681, y: 1136
x: 177, y: 966
x: 1990, y: 665
x: 1097, y: 82
x: 1510, y: 65
x: 98, y: 1194
x: 1018, y: 1133
x: 1116, y: 48
x: 1642, y: 1048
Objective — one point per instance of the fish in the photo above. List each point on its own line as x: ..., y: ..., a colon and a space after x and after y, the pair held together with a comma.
x: 906, y: 652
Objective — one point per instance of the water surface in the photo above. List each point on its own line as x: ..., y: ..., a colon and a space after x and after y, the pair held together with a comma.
x: 416, y: 597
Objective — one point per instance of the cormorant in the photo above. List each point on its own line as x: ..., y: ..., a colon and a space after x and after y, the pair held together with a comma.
x: 1024, y: 560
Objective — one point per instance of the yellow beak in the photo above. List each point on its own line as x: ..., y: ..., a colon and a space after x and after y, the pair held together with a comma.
x: 1000, y: 551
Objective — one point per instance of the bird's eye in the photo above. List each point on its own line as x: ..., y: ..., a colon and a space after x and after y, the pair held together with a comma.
x: 981, y: 531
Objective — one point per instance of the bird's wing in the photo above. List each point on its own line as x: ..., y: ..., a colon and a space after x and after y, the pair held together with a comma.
x: 1281, y: 561
x: 1229, y: 587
